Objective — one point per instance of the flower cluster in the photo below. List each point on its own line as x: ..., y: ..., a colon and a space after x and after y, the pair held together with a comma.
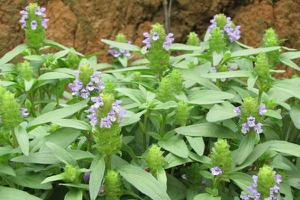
x: 115, y: 52
x: 149, y: 37
x: 216, y: 171
x: 233, y: 32
x: 116, y: 113
x: 256, y: 195
x: 39, y: 12
x: 251, y: 121
x: 78, y: 88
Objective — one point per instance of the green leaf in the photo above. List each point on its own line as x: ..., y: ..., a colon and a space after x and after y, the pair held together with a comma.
x: 162, y: 178
x: 74, y: 194
x: 206, y: 130
x: 54, y: 76
x: 97, y: 173
x: 174, y: 144
x: 206, y: 97
x: 58, y: 114
x: 285, y: 147
x: 14, y: 194
x: 72, y: 123
x: 245, y: 148
x: 176, y: 189
x: 173, y: 161
x: 13, y: 53
x: 6, y: 169
x: 53, y: 178
x: 289, y: 63
x: 248, y: 52
x: 30, y: 180
x: 295, y: 116
x: 241, y: 179
x: 22, y: 138
x: 121, y: 45
x: 255, y: 154
x: 221, y: 112
x: 274, y: 114
x: 131, y: 118
x: 61, y: 154
x: 197, y: 144
x: 38, y: 158
x: 184, y: 47
x: 144, y: 182
x: 229, y: 74
x: 205, y: 196
x: 136, y: 68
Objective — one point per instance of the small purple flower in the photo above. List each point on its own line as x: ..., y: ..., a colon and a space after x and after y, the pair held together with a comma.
x: 44, y: 23
x: 245, y: 128
x: 105, y: 123
x: 90, y: 86
x: 278, y: 178
x: 24, y: 112
x: 40, y: 11
x: 251, y: 121
x: 33, y: 25
x: 112, y: 116
x: 237, y: 110
x: 147, y: 40
x: 258, y: 128
x: 86, y: 177
x: 245, y: 197
x: 216, y: 171
x: 84, y: 93
x: 262, y: 109
x: 168, y: 41
x: 155, y: 36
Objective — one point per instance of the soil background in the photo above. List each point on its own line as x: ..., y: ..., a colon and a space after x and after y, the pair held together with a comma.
x: 82, y: 23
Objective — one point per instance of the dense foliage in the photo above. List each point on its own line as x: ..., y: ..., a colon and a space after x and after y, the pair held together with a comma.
x: 202, y: 120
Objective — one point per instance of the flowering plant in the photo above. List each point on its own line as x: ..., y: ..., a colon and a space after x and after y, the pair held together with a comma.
x: 201, y: 120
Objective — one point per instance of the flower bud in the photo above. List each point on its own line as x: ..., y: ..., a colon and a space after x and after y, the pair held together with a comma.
x: 10, y: 110
x: 221, y: 20
x: 71, y: 174
x: 110, y: 87
x: 182, y: 113
x: 270, y: 39
x: 85, y: 73
x: 170, y: 85
x: 72, y: 60
x: 193, y: 39
x: 154, y: 158
x: 121, y: 38
x: 221, y: 156
x: 25, y: 70
x: 112, y: 185
x: 216, y: 41
x: 262, y: 70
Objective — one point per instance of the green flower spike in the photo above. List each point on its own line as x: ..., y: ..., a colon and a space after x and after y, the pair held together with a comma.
x: 154, y: 158
x: 221, y: 156
x: 112, y: 186
x: 193, y: 39
x: 216, y: 41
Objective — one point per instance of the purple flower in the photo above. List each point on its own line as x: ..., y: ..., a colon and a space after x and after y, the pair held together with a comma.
x: 262, y: 109
x: 75, y: 87
x: 86, y: 177
x: 258, y: 128
x: 251, y: 121
x: 245, y: 128
x: 155, y: 36
x: 112, y: 116
x: 105, y: 123
x: 278, y: 178
x: 168, y: 41
x: 84, y: 93
x: 40, y: 11
x: 147, y: 40
x: 44, y: 23
x: 114, y: 52
x: 216, y: 171
x: 33, y: 25
x: 24, y: 112
x: 237, y: 110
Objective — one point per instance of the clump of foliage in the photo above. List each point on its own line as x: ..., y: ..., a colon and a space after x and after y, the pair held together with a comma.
x: 201, y: 120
